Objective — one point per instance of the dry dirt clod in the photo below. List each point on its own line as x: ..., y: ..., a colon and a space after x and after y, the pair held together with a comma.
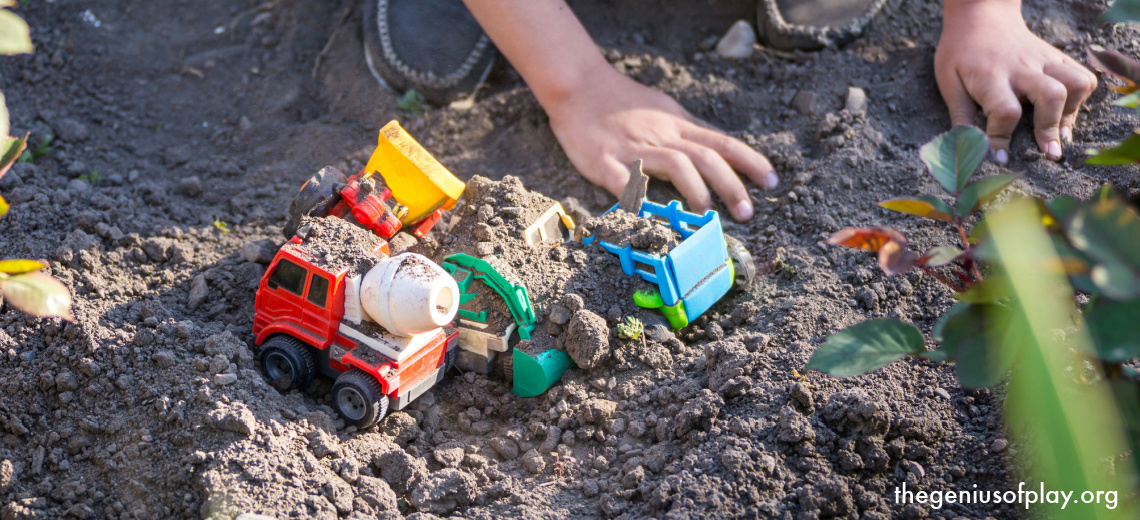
x: 587, y: 339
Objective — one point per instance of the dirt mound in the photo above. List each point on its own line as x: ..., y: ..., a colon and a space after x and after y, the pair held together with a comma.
x: 151, y: 404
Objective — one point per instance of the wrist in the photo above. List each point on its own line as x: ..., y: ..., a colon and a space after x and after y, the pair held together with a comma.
x: 970, y: 13
x: 554, y: 91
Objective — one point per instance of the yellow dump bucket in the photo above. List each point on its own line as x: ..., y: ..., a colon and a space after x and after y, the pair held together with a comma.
x: 416, y: 179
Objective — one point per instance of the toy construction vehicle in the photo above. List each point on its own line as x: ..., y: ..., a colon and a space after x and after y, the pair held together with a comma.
x: 402, y: 185
x: 378, y: 330
x: 693, y: 275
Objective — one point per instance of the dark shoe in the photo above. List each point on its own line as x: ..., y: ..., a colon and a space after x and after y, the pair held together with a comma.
x: 813, y: 24
x: 433, y: 46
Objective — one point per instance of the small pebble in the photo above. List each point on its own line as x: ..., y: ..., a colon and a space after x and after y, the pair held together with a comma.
x: 999, y: 445
x: 737, y: 43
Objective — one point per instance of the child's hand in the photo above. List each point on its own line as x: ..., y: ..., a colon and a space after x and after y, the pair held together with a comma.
x: 608, y: 120
x: 987, y: 56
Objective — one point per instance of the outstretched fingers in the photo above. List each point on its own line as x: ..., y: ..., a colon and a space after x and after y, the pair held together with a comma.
x: 740, y: 156
x: 676, y: 167
x: 721, y: 178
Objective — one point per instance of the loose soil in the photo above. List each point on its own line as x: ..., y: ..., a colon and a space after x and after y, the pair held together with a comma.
x: 171, y: 114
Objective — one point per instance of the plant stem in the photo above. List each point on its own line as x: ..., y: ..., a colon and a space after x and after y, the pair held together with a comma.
x: 970, y: 263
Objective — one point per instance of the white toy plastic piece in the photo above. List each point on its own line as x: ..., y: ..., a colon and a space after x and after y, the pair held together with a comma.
x: 409, y: 294
x: 352, y: 311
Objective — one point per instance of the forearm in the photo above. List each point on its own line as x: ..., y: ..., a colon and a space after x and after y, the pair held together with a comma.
x: 544, y: 41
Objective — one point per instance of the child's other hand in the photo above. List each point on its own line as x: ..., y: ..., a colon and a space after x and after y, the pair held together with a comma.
x: 608, y: 120
x: 987, y: 56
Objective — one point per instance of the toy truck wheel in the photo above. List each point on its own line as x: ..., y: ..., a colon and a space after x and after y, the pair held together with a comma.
x: 505, y: 365
x: 357, y: 397
x: 742, y: 263
x: 287, y: 362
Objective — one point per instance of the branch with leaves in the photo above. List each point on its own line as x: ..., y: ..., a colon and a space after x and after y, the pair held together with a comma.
x: 23, y: 284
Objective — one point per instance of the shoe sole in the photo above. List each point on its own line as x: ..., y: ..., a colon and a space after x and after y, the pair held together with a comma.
x: 398, y: 77
x: 779, y: 34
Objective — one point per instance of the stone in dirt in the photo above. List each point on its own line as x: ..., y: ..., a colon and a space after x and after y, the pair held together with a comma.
x: 233, y: 418
x: 198, y: 292
x: 596, y: 411
x: 698, y: 413
x: 260, y: 251
x: 737, y: 42
x: 376, y: 493
x: 444, y: 491
x: 856, y: 101
x: 533, y: 462
x: 7, y: 474
x: 588, y: 339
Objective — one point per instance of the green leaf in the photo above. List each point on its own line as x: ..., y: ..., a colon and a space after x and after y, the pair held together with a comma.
x: 942, y: 255
x: 954, y: 156
x: 937, y: 355
x: 10, y: 149
x: 1131, y: 101
x: 15, y: 37
x: 866, y: 346
x: 1062, y: 208
x: 1127, y: 152
x: 1108, y: 231
x: 940, y: 325
x: 17, y: 266
x: 980, y: 192
x: 922, y: 206
x: 1112, y: 326
x: 38, y: 294
x: 989, y: 290
x: 412, y: 102
x: 1116, y: 280
x: 980, y: 341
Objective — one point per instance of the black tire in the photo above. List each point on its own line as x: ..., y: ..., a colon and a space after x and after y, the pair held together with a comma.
x: 357, y: 397
x: 287, y: 362
x: 449, y: 359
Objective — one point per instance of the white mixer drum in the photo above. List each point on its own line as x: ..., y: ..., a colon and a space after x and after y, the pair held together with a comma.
x: 409, y: 294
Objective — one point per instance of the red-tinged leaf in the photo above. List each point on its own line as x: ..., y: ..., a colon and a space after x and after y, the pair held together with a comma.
x: 1118, y: 65
x: 867, y: 239
x: 894, y: 258
x: 10, y: 150
x: 18, y: 266
x: 922, y: 206
x: 38, y: 294
x: 940, y: 256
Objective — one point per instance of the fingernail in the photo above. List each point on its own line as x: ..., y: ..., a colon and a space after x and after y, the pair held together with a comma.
x: 743, y: 210
x: 1067, y: 134
x: 1053, y: 150
x: 772, y: 180
x: 1001, y: 156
